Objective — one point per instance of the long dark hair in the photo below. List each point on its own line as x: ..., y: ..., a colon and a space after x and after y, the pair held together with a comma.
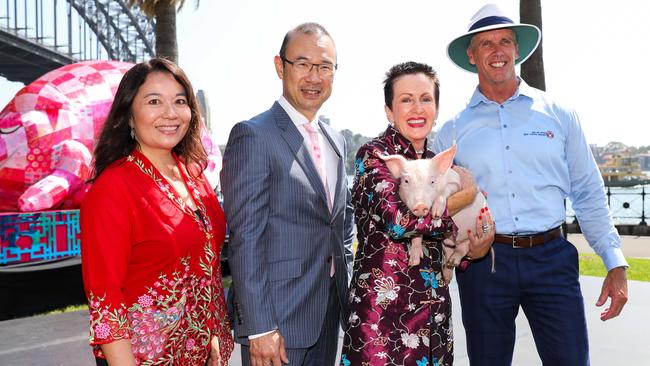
x: 115, y: 141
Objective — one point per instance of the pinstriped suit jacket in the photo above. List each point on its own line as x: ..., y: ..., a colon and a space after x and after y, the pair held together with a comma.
x: 282, y: 233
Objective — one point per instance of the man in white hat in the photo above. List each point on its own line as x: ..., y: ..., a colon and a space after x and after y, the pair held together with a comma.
x: 528, y: 153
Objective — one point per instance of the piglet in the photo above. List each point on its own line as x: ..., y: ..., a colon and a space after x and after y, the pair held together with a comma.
x: 425, y: 185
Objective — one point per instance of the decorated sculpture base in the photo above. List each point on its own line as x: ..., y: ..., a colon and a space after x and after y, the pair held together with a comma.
x: 40, y: 262
x: 38, y: 237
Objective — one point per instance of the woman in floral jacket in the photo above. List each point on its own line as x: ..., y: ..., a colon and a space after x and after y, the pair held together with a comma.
x: 152, y: 230
x: 400, y: 315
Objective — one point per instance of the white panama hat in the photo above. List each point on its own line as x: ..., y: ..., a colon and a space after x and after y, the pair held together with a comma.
x: 487, y: 18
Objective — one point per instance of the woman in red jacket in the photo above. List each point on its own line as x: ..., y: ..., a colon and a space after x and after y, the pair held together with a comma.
x: 152, y: 230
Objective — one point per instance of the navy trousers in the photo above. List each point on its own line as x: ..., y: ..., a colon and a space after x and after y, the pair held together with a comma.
x: 543, y: 281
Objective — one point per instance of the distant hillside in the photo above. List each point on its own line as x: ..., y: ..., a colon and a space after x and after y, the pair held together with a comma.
x: 640, y: 154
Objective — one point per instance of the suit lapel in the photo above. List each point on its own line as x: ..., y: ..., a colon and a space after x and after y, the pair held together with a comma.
x: 295, y: 141
x: 340, y: 167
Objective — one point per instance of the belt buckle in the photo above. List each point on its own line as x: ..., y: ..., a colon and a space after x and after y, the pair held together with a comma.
x: 514, y: 242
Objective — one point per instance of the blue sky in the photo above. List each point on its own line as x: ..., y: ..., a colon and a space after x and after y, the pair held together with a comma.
x: 595, y: 57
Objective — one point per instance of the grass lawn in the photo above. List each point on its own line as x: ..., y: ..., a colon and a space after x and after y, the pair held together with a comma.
x: 67, y: 309
x: 591, y: 265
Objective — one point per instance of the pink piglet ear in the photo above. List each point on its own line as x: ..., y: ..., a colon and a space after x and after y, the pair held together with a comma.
x: 395, y: 164
x: 443, y: 161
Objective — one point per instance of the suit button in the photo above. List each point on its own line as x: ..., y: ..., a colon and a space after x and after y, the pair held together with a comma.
x: 329, y: 259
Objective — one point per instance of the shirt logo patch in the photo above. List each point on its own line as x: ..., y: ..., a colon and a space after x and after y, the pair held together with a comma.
x: 550, y: 134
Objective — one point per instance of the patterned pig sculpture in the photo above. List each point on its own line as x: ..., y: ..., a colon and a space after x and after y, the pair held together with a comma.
x: 48, y: 131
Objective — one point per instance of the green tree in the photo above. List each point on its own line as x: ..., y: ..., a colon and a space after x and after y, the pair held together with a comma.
x: 353, y: 142
x: 532, y: 71
x: 164, y: 11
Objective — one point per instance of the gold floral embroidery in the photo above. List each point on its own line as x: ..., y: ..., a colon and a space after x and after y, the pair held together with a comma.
x: 106, y: 323
x: 172, y: 318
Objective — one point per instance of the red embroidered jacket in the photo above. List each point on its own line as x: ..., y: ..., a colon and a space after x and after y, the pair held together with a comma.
x: 151, y: 265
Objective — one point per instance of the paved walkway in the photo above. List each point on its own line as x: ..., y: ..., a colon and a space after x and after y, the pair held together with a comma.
x: 61, y: 339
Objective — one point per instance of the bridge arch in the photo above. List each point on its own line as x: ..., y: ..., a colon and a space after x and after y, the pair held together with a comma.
x: 37, y: 36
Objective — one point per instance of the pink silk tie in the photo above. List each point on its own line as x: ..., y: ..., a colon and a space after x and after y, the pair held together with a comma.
x: 316, y: 154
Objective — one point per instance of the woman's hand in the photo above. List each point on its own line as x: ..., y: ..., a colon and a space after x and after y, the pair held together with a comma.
x: 215, y: 355
x: 480, y: 239
x: 119, y: 352
x: 467, y: 193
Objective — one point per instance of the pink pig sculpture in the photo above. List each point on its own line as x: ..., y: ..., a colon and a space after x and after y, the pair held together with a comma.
x: 48, y: 131
x: 425, y: 185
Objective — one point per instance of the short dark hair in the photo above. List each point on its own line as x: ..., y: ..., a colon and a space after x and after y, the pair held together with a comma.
x: 304, y: 28
x: 115, y: 141
x: 409, y: 68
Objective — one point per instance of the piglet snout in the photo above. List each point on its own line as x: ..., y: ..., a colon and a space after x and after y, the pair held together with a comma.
x: 420, y: 209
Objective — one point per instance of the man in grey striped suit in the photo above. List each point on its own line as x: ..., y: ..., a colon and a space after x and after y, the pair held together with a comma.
x: 289, y: 213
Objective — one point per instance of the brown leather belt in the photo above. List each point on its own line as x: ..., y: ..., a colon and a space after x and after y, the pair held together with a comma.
x: 528, y: 241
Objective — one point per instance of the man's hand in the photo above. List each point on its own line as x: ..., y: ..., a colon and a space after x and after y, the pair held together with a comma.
x: 465, y: 196
x: 466, y: 179
x: 614, y: 287
x: 480, y: 242
x: 268, y: 350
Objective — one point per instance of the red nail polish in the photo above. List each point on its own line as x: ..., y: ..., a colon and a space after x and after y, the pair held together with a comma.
x: 480, y: 217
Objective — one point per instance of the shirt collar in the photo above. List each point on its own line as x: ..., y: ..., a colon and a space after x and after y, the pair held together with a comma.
x: 296, y: 117
x: 522, y: 90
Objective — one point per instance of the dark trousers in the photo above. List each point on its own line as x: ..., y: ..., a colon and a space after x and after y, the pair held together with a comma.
x: 323, y: 353
x: 543, y: 281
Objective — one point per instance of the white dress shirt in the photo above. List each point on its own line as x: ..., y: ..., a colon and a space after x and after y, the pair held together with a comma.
x: 329, y: 158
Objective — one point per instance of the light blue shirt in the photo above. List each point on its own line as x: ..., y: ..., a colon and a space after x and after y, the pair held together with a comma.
x: 529, y: 154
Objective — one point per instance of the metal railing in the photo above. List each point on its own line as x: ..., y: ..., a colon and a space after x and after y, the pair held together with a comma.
x: 628, y: 207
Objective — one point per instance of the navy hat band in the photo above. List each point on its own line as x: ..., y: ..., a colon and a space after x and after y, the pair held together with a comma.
x: 487, y: 21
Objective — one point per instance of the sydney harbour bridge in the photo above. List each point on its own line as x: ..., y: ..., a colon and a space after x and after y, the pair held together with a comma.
x: 37, y: 36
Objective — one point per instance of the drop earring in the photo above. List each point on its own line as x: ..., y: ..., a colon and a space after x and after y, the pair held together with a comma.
x: 132, y: 134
